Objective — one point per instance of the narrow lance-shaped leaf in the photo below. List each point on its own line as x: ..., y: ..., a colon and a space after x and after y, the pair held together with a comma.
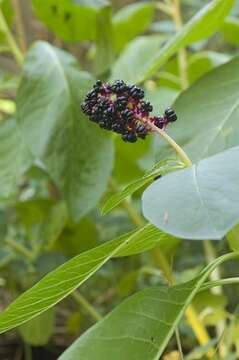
x: 200, y: 202
x: 38, y: 331
x: 78, y: 155
x: 163, y: 167
x: 61, y: 282
x: 202, y: 25
x: 141, y: 327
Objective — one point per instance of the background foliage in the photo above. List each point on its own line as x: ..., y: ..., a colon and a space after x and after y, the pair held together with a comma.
x: 80, y: 207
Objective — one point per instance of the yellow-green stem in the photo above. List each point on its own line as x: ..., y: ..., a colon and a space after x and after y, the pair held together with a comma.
x: 10, y: 40
x: 215, y: 276
x: 182, y: 54
x: 181, y: 153
x: 80, y: 299
x: 19, y: 25
x: 191, y: 315
x: 21, y: 249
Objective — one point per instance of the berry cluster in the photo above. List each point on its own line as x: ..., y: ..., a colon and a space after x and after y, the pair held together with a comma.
x: 120, y: 107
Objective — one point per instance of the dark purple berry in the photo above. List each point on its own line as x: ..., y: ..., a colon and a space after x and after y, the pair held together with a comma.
x: 146, y: 106
x: 159, y: 122
x: 170, y: 115
x: 127, y: 115
x: 119, y: 107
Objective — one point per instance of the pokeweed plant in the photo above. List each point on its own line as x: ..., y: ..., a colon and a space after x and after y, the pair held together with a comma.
x: 56, y: 167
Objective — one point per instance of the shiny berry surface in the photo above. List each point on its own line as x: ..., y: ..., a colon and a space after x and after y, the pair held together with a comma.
x: 120, y: 107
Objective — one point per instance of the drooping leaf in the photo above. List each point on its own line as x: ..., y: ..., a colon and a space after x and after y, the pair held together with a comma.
x: 77, y: 238
x: 202, y: 25
x: 163, y: 167
x: 78, y: 155
x: 56, y: 285
x: 38, y: 331
x: 208, y: 114
x: 130, y: 21
x: 127, y: 162
x: 201, y: 63
x: 71, y: 20
x: 15, y: 159
x: 230, y: 30
x: 141, y: 327
x: 200, y: 202
x: 233, y: 238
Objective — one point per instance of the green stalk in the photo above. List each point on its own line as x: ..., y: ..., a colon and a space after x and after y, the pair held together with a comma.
x: 21, y: 249
x: 10, y: 40
x: 80, y: 299
x: 221, y: 282
x: 181, y: 153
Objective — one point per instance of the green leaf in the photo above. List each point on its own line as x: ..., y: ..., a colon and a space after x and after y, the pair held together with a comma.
x: 56, y: 221
x: 38, y: 331
x: 7, y: 10
x: 233, y: 238
x: 200, y: 202
x: 163, y: 167
x: 202, y: 25
x: 230, y: 30
x: 104, y: 54
x: 203, y: 62
x: 135, y: 58
x: 127, y: 162
x: 71, y: 20
x: 208, y: 114
x: 161, y: 97
x: 56, y: 285
x: 76, y: 238
x: 15, y: 158
x: 77, y: 154
x: 141, y: 327
x: 130, y: 21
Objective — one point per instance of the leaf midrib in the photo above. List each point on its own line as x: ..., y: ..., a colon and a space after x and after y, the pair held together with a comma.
x: 220, y: 128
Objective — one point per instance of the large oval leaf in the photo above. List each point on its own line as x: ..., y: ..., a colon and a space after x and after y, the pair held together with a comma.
x: 15, y: 158
x: 78, y: 156
x: 202, y: 25
x: 208, y: 114
x: 71, y: 20
x: 200, y: 202
x: 56, y: 285
x: 141, y: 327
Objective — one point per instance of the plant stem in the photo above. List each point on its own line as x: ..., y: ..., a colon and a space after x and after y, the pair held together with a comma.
x: 181, y: 153
x: 221, y: 282
x: 21, y: 249
x: 127, y: 205
x: 179, y: 344
x: 10, y: 40
x: 19, y: 25
x: 164, y: 8
x: 80, y: 299
x: 27, y: 351
x: 191, y: 315
x: 182, y: 54
x: 215, y: 276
